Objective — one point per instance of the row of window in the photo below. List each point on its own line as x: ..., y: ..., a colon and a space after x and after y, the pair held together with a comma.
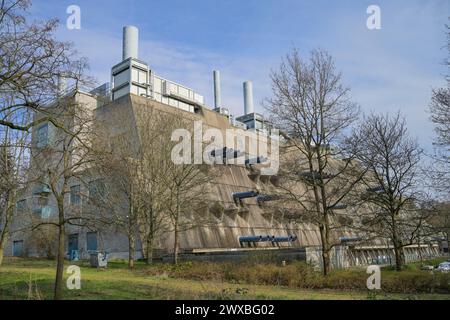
x: 96, y: 189
x: 91, y: 244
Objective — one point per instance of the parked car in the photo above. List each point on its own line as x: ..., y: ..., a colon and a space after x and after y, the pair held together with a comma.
x: 444, y: 267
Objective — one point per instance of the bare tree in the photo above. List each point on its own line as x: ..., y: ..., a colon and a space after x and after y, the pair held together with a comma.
x: 32, y: 64
x: 59, y: 159
x: 439, y: 169
x: 440, y: 115
x: 440, y: 220
x: 313, y: 108
x: 13, y: 160
x: 7, y: 198
x: 392, y: 194
x: 45, y: 240
x: 138, y: 158
x: 121, y: 193
x: 186, y: 182
x: 34, y: 69
x: 440, y: 105
x: 188, y: 187
x: 149, y: 192
x: 152, y: 163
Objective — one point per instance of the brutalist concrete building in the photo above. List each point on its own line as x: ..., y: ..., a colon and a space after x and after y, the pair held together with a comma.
x: 245, y: 214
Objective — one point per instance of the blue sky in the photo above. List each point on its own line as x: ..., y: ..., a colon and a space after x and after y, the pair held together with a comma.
x: 388, y: 70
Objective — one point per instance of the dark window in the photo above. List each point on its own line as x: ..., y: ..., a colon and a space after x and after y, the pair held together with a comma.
x: 21, y: 205
x: 42, y: 136
x: 250, y: 125
x: 91, y: 241
x: 41, y: 207
x: 75, y: 195
x: 96, y: 189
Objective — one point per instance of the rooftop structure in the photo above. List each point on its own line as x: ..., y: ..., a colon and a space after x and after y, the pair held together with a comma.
x: 135, y: 76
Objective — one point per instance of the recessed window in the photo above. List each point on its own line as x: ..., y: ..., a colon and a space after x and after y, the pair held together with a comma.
x: 21, y: 205
x: 40, y: 201
x: 41, y: 207
x: 96, y: 189
x: 42, y: 136
x: 75, y: 195
x: 91, y: 241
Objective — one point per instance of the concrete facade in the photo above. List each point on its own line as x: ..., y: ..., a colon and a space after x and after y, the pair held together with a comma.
x: 135, y: 91
x: 231, y: 219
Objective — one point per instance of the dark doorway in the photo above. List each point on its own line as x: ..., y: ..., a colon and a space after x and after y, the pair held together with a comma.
x: 18, y: 248
x: 73, y: 243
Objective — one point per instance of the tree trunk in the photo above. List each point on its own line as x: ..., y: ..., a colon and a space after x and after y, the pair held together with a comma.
x: 175, y: 241
x: 322, y: 211
x: 398, y: 250
x: 131, y: 234
x: 420, y: 251
x: 2, y: 249
x: 175, y: 244
x: 326, y: 262
x: 150, y: 236
x: 326, y: 259
x: 60, y: 263
x: 5, y: 232
x: 323, y: 228
x: 150, y: 249
x: 131, y: 250
x: 448, y: 245
x: 3, y: 240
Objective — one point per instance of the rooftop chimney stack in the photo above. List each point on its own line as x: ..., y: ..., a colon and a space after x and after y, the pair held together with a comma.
x: 130, y: 42
x: 217, y: 91
x: 248, y: 97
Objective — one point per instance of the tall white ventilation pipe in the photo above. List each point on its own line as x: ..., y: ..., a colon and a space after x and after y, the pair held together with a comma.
x: 248, y: 97
x: 217, y: 92
x: 130, y: 42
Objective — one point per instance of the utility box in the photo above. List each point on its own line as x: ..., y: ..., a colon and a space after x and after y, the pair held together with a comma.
x: 99, y: 260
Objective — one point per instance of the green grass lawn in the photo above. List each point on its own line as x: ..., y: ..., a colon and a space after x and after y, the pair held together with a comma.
x: 118, y: 282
